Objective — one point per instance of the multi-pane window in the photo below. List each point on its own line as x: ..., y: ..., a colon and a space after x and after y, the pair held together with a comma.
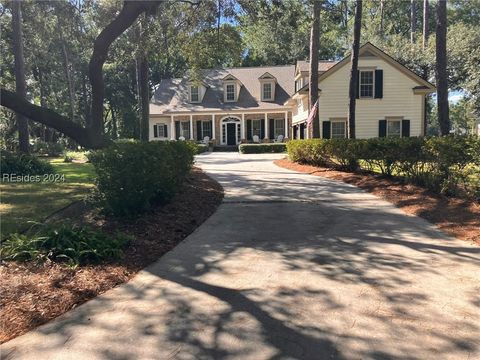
x: 230, y: 92
x: 185, y: 130
x: 161, y: 131
x: 267, y: 91
x: 338, y: 129
x: 394, y: 128
x: 206, y: 129
x: 256, y: 127
x: 194, y: 93
x: 279, y: 127
x: 366, y: 84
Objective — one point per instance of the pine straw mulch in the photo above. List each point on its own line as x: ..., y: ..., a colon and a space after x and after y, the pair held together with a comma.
x: 457, y: 217
x: 32, y: 293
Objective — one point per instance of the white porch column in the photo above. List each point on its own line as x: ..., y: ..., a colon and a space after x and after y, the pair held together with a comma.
x: 243, y: 126
x: 191, y: 127
x: 287, y: 132
x: 172, y: 128
x: 213, y: 126
x: 266, y: 126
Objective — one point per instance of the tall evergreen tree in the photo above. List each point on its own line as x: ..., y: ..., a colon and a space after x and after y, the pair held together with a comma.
x: 353, y: 88
x: 20, y: 84
x: 441, y: 67
x: 313, y: 80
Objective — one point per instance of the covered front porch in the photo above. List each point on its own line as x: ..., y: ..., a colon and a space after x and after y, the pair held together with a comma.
x: 228, y: 129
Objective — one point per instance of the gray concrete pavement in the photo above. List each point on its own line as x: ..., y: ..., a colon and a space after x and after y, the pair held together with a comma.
x: 291, y: 266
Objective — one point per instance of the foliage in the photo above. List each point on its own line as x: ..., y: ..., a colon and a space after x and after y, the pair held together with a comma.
x: 262, y: 148
x: 447, y: 165
x: 131, y: 177
x: 65, y: 243
x: 23, y: 164
x: 48, y: 148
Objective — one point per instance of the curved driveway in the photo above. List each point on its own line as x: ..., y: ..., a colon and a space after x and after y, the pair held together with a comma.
x: 291, y: 266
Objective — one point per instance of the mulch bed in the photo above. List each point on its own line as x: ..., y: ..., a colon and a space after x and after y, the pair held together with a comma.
x: 32, y: 293
x: 457, y: 217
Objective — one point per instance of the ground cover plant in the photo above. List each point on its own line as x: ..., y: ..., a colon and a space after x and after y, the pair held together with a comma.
x: 447, y: 165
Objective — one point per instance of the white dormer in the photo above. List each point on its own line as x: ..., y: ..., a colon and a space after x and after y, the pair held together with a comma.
x: 231, y: 88
x: 196, y: 92
x: 267, y: 87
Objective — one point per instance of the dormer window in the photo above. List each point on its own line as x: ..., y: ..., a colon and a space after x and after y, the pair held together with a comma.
x: 230, y: 92
x: 194, y: 94
x: 267, y: 91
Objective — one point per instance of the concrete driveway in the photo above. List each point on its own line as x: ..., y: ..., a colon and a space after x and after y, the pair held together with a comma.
x: 291, y: 266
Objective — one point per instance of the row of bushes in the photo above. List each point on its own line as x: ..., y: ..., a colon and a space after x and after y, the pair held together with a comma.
x: 132, y: 176
x: 262, y: 148
x: 447, y: 165
x: 23, y: 164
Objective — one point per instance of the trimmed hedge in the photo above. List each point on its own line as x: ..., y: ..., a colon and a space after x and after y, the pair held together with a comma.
x: 262, y: 148
x: 131, y: 176
x: 23, y: 164
x: 449, y: 164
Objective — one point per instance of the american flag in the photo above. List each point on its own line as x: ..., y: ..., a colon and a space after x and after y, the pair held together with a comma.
x: 312, y: 115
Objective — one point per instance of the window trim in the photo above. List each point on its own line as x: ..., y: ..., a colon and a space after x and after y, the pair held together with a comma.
x: 360, y: 83
x: 272, y: 85
x: 182, y: 129
x: 234, y: 92
x: 203, y: 130
x: 282, y: 121
x: 162, y: 126
x: 390, y: 120
x: 198, y: 93
x: 259, y: 128
x: 344, y: 121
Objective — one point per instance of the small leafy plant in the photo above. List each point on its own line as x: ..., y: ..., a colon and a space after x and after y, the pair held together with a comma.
x: 71, y: 244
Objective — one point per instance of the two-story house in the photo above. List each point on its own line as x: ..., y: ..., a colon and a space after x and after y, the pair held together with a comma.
x: 235, y: 105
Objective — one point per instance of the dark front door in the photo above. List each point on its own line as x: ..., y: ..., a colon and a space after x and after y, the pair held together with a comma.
x: 231, y: 140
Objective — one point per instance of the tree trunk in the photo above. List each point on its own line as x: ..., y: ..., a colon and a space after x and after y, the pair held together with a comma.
x: 313, y: 81
x: 425, y: 24
x: 382, y: 9
x: 20, y: 85
x: 353, y: 88
x: 441, y: 67
x: 141, y: 63
x: 413, y: 20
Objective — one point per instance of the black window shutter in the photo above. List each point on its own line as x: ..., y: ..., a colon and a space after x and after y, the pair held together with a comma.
x: 382, y: 128
x: 177, y: 129
x: 326, y: 129
x: 262, y: 129
x: 405, y: 128
x: 358, y: 85
x: 378, y: 84
x: 165, y: 130
x: 199, y: 130
x: 249, y: 129
x: 271, y: 128
x: 155, y: 131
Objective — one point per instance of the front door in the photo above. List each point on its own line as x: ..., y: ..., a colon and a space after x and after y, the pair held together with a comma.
x: 231, y: 135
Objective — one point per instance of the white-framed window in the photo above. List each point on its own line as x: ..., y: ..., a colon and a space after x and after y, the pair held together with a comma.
x: 366, y: 83
x: 185, y: 129
x: 206, y: 129
x: 230, y: 92
x: 279, y: 127
x: 194, y: 93
x: 300, y: 105
x: 298, y: 84
x: 394, y: 128
x: 160, y: 131
x: 338, y: 129
x: 267, y: 91
x: 256, y: 127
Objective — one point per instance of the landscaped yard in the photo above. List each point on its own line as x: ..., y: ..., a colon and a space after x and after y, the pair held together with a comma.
x: 24, y: 202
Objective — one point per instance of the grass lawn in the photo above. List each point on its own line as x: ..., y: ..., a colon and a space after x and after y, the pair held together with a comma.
x: 23, y: 202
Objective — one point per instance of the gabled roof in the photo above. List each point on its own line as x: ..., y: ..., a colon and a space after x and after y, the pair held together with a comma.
x: 229, y: 77
x: 267, y: 75
x: 370, y: 50
x: 171, y: 96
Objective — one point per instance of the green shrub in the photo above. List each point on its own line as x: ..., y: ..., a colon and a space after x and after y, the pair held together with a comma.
x: 447, y: 165
x: 262, y: 148
x: 23, y: 164
x: 71, y: 244
x: 133, y: 176
x: 48, y: 148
